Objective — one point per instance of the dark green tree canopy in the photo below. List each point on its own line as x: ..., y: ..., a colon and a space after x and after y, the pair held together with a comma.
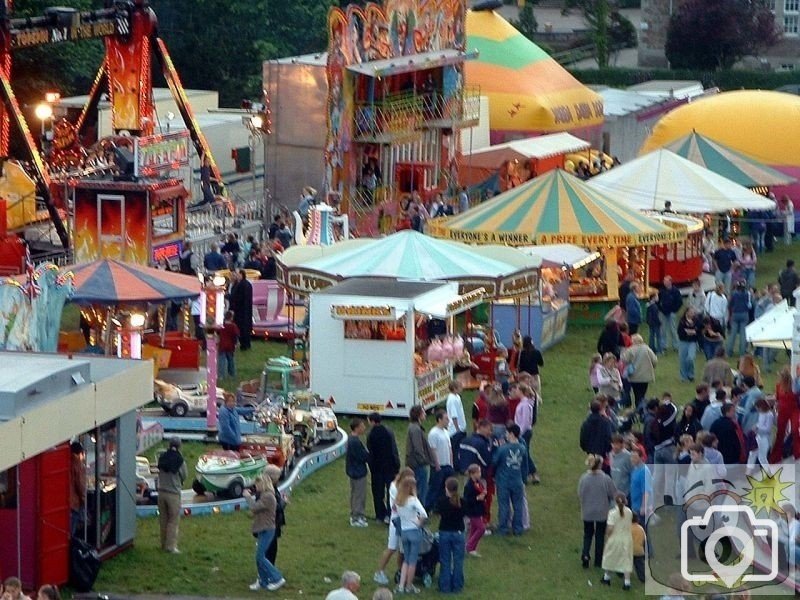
x: 714, y: 34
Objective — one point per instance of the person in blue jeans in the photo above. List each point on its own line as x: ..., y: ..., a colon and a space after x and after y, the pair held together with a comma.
x: 418, y: 453
x: 739, y: 307
x: 451, y: 539
x: 264, y: 508
x: 510, y: 472
x: 689, y: 328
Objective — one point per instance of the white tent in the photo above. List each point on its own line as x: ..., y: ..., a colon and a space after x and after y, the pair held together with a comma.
x: 774, y: 328
x: 649, y: 181
x: 543, y: 146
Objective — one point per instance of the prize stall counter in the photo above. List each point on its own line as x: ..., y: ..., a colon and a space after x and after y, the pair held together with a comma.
x: 368, y: 339
x: 594, y: 286
x: 542, y: 313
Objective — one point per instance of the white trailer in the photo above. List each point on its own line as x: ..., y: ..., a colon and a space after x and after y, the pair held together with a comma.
x: 363, y: 338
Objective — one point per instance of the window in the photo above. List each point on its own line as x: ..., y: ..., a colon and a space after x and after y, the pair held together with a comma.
x: 791, y: 24
x: 791, y: 6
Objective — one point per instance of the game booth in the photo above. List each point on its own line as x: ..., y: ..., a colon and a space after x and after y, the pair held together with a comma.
x: 371, y: 339
x: 543, y: 314
x: 558, y: 208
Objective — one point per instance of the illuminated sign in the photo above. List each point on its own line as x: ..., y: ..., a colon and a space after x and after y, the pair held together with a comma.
x: 155, y: 153
x: 36, y: 36
x: 433, y: 386
x: 363, y: 312
x: 167, y: 251
x: 465, y: 301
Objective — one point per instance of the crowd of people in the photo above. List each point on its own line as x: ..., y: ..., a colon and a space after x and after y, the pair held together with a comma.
x: 11, y: 589
x: 494, y: 462
x: 641, y: 449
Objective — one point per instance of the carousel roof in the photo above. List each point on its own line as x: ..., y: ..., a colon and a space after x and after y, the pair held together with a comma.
x: 726, y: 161
x: 647, y: 182
x: 109, y: 281
x: 409, y: 255
x: 555, y: 208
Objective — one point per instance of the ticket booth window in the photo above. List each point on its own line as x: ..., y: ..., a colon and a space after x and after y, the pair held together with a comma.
x: 101, y: 494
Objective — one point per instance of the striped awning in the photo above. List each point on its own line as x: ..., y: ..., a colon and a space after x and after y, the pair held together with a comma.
x: 648, y: 182
x: 113, y: 282
x: 555, y: 208
x: 726, y: 161
x: 411, y: 256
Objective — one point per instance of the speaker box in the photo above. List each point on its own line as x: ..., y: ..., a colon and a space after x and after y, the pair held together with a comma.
x: 124, y: 159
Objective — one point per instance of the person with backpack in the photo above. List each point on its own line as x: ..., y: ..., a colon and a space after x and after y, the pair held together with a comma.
x: 665, y: 428
x: 188, y: 261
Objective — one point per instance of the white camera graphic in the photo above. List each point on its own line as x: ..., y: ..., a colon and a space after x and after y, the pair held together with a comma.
x: 744, y: 542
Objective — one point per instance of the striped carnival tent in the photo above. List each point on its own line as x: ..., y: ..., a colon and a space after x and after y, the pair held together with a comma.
x: 113, y: 282
x: 726, y: 161
x: 649, y: 181
x: 555, y: 208
x: 412, y: 256
x: 529, y: 92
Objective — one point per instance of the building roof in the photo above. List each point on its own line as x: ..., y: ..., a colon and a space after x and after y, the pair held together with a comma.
x: 373, y: 287
x: 319, y: 59
x: 159, y: 94
x: 537, y: 147
x: 618, y: 103
x: 68, y: 405
x: 675, y: 89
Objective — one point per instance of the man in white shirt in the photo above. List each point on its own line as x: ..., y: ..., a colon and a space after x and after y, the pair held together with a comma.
x: 351, y: 582
x: 457, y: 428
x: 439, y: 441
x: 717, y: 305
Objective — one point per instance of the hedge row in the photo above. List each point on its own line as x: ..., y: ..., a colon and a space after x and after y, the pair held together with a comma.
x: 725, y: 80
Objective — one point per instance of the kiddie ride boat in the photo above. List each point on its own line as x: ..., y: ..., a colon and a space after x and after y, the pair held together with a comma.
x: 227, y: 473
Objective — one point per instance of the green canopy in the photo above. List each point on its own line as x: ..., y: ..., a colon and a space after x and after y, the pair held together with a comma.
x: 727, y: 162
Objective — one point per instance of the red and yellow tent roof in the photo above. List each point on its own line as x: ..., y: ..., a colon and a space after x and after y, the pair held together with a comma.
x: 527, y: 90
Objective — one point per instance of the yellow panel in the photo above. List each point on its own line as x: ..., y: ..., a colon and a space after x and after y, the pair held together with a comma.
x: 19, y: 192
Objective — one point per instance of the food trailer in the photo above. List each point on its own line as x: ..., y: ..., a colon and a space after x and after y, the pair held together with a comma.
x: 368, y: 340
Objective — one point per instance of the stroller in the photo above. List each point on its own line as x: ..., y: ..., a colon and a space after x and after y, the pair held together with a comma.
x: 427, y: 561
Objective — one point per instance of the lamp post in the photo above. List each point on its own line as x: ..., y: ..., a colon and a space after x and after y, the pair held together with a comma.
x: 212, y: 314
x: 129, y: 336
x: 44, y: 112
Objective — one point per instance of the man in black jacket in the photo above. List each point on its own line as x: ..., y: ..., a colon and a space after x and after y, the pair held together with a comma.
x: 670, y: 303
x: 384, y: 464
x: 664, y: 429
x: 729, y: 436
x: 596, y: 432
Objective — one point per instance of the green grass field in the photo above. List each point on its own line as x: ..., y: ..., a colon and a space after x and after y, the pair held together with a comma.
x: 318, y: 544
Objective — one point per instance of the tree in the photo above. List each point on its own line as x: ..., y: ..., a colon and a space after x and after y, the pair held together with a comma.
x: 526, y: 24
x: 715, y: 34
x: 596, y: 13
x: 221, y: 44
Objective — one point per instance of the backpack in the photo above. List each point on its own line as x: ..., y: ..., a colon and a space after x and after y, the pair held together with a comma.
x: 185, y: 264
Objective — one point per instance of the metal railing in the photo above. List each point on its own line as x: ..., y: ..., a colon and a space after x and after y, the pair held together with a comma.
x: 401, y: 116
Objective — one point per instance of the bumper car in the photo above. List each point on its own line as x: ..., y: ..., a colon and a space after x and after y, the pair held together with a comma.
x: 227, y: 473
x: 179, y: 401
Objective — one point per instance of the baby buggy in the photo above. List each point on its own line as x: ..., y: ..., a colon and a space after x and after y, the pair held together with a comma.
x: 427, y: 561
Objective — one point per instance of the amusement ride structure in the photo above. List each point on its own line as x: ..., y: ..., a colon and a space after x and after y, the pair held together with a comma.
x: 120, y: 162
